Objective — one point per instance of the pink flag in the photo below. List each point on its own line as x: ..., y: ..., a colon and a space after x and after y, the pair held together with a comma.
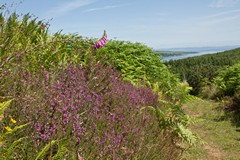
x: 102, y: 41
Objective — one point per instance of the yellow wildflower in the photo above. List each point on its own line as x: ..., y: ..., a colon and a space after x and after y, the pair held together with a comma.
x: 13, y: 120
x: 8, y: 129
x: 1, y: 140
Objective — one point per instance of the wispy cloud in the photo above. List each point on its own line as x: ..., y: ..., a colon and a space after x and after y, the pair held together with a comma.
x: 224, y: 19
x: 237, y: 11
x: 220, y: 17
x: 223, y: 3
x: 101, y: 8
x: 63, y: 8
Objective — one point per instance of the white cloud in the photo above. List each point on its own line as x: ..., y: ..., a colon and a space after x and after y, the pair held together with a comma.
x: 63, y: 8
x: 102, y: 8
x: 223, y: 3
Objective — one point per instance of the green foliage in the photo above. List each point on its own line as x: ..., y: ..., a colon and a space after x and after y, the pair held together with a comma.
x: 15, y: 129
x: 138, y: 63
x: 181, y: 93
x: 228, y: 85
x: 17, y: 37
x: 62, y: 149
x: 3, y: 106
x: 44, y: 151
x: 197, y: 70
x: 175, y: 120
x: 10, y: 149
x: 28, y: 41
x: 232, y: 108
x: 228, y: 80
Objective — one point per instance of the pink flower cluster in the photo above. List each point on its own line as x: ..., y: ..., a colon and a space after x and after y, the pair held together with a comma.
x: 100, y: 110
x: 101, y: 42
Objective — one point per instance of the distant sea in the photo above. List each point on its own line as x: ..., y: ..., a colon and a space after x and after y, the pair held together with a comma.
x: 198, y: 51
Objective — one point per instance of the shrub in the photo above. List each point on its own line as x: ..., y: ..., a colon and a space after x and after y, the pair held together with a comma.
x: 138, y: 63
x: 228, y: 80
x: 85, y: 107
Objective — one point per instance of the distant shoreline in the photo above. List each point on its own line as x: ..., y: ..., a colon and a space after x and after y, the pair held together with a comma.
x: 181, y: 53
x: 173, y: 53
x: 177, y: 57
x: 199, y: 49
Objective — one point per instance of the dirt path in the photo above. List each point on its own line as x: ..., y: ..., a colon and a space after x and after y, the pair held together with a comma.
x: 213, y: 153
x: 208, y: 149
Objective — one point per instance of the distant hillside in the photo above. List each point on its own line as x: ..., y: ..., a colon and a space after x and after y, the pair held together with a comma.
x: 200, y: 69
x: 202, y: 49
x: 172, y: 53
x: 181, y: 53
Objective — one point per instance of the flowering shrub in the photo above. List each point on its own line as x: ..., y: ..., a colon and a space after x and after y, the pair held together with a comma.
x: 88, y: 107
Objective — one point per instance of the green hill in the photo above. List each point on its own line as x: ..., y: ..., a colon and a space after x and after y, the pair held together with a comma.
x: 200, y: 70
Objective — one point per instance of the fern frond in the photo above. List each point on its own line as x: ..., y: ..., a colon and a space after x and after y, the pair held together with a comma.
x: 186, y: 134
x: 10, y: 149
x: 15, y: 129
x: 3, y: 106
x: 45, y: 149
x: 61, y: 152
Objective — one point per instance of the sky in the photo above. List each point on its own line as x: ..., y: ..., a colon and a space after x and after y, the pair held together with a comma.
x: 156, y: 23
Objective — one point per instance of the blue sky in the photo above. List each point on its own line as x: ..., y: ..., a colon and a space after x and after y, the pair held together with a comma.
x: 156, y: 23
